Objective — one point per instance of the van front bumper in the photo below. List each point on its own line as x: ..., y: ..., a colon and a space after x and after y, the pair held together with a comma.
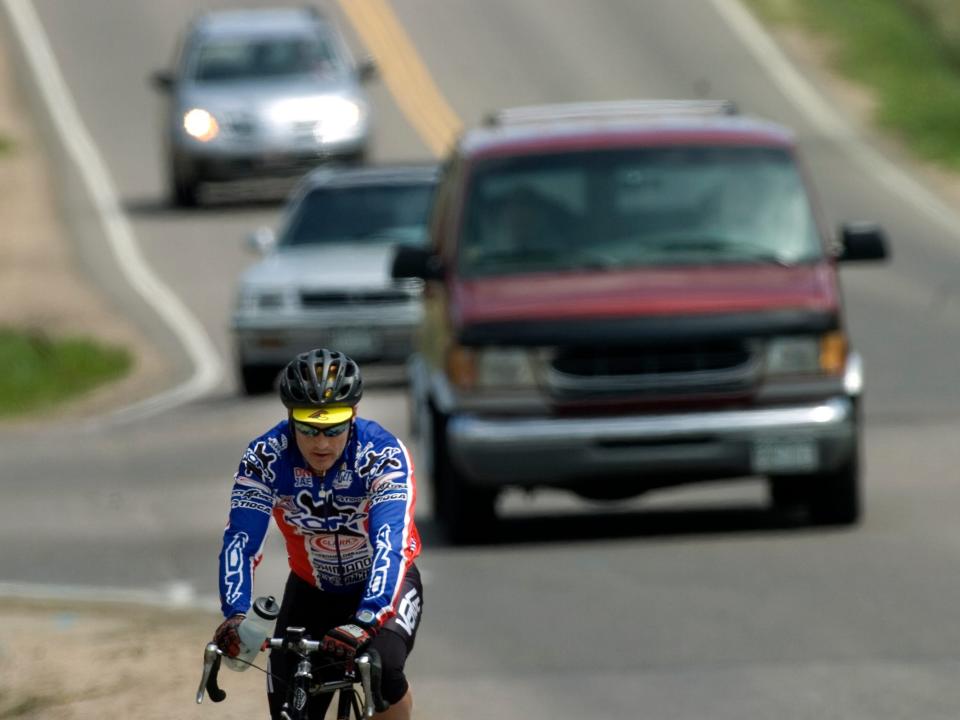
x: 795, y: 440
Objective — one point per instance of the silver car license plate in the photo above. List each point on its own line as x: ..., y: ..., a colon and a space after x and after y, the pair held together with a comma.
x: 785, y: 455
x: 360, y: 343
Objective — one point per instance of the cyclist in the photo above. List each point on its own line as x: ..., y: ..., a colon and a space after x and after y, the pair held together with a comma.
x: 341, y: 489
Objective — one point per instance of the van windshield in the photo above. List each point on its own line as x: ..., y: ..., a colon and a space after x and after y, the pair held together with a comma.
x: 637, y: 207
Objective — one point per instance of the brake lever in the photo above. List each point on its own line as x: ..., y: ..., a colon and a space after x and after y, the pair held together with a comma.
x: 363, y: 666
x: 208, y: 681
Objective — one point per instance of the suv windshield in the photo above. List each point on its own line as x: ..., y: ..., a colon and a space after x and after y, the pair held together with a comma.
x: 637, y: 207
x: 395, y: 213
x: 249, y: 58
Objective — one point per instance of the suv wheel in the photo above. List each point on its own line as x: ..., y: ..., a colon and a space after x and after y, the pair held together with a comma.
x: 466, y: 513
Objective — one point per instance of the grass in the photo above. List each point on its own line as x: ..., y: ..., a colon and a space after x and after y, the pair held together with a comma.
x: 6, y: 145
x: 898, y: 52
x: 38, y: 372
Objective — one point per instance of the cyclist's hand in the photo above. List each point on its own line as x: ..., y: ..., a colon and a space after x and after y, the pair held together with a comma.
x: 345, y: 641
x: 227, y: 638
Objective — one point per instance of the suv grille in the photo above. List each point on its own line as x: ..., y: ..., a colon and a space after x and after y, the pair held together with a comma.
x: 723, y: 366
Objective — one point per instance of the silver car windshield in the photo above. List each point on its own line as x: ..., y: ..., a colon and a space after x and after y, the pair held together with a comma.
x: 250, y: 58
x: 388, y: 213
x: 649, y: 207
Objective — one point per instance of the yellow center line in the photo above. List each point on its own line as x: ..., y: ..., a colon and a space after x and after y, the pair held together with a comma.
x: 404, y: 73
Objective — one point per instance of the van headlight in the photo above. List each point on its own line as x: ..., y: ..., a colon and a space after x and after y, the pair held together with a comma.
x: 807, y: 354
x: 490, y: 368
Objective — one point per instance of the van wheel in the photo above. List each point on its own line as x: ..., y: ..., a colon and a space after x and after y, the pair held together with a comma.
x: 835, y: 497
x: 466, y: 513
x: 831, y: 498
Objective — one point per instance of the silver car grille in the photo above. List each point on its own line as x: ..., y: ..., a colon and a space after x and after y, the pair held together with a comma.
x: 326, y: 298
x: 240, y: 124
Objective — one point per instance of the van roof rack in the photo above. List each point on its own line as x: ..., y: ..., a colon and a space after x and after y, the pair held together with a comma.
x: 607, y: 110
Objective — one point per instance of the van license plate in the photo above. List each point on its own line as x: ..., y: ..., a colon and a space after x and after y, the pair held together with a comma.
x: 785, y: 455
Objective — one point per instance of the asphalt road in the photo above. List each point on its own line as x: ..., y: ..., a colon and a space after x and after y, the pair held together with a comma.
x: 686, y: 604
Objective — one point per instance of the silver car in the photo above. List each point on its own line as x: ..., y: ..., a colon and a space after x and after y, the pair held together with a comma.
x: 325, y: 279
x: 260, y: 92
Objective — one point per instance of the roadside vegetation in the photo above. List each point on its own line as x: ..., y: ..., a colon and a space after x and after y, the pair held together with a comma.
x: 39, y: 372
x: 907, y: 52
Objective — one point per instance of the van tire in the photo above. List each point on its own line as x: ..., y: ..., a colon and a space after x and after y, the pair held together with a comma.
x: 466, y: 513
x: 830, y: 498
x: 835, y: 497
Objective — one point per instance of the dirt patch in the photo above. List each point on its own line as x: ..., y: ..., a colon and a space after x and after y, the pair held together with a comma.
x: 86, y: 661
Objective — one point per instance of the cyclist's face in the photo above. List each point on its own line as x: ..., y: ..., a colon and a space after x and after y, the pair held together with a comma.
x: 320, y: 451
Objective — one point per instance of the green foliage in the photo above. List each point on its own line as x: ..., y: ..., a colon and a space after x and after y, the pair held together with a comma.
x: 899, y: 50
x: 37, y: 372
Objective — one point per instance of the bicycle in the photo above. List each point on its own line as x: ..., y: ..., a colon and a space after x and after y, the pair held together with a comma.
x: 365, y: 670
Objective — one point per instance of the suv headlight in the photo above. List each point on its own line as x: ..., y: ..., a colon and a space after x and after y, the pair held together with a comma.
x: 490, y: 368
x: 806, y: 355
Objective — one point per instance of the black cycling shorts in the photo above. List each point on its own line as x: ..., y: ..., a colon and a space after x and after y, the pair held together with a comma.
x: 305, y: 606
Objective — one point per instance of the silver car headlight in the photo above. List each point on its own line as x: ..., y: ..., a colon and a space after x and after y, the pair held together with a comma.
x: 200, y: 124
x: 254, y: 299
x: 805, y: 355
x: 333, y: 116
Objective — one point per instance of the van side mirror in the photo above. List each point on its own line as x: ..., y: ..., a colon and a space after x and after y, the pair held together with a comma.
x: 262, y: 240
x: 862, y: 241
x: 162, y: 80
x: 366, y: 70
x: 410, y: 261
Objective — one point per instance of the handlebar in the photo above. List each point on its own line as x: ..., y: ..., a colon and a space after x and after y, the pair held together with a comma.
x: 211, y: 668
x: 367, y: 665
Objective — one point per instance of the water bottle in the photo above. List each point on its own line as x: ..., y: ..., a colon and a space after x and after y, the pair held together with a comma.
x: 256, y: 627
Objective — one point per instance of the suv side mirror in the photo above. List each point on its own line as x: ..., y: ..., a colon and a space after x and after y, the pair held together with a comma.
x: 411, y: 261
x: 862, y: 241
x: 262, y: 240
x: 162, y: 80
x: 366, y: 70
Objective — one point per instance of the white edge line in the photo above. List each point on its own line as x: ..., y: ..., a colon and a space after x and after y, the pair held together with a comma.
x: 204, y: 357
x: 175, y: 596
x: 808, y: 101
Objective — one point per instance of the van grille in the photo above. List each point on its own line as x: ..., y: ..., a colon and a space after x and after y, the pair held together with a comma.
x: 723, y: 366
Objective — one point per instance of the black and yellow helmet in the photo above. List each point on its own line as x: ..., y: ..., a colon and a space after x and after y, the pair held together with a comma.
x: 321, y: 378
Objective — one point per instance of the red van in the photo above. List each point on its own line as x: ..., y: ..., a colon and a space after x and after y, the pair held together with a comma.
x: 630, y: 295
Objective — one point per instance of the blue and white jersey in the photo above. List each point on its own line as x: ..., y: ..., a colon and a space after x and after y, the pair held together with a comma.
x: 349, y: 530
